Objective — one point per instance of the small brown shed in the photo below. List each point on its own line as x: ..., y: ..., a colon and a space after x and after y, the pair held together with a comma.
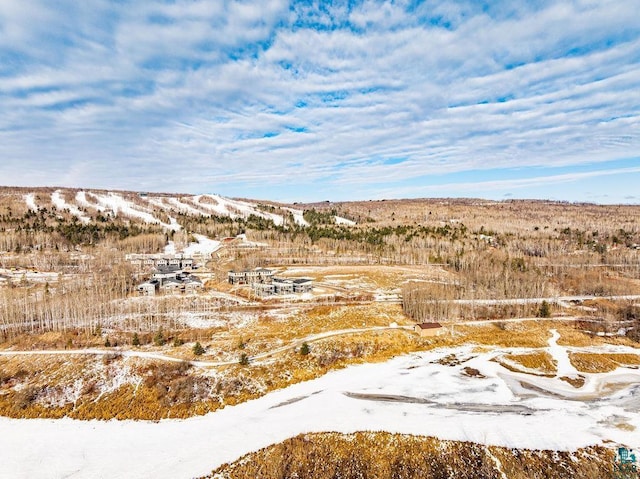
x: 428, y: 329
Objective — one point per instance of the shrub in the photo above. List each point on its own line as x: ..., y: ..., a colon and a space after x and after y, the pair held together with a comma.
x: 198, y: 350
x: 158, y: 339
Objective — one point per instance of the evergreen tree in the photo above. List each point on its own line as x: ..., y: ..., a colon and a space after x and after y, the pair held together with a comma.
x: 244, y: 359
x: 198, y: 350
x: 305, y: 349
x: 136, y: 340
x: 545, y: 310
x: 158, y: 339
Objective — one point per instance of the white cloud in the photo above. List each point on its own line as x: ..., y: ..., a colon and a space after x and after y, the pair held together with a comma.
x: 254, y: 93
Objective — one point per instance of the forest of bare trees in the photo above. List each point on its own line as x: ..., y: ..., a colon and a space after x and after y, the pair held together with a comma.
x: 491, y: 250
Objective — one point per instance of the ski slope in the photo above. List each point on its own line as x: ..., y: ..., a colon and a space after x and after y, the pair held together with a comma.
x: 145, y: 207
x: 61, y: 204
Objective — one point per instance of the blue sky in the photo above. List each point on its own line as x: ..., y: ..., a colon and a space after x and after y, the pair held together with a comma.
x: 333, y: 100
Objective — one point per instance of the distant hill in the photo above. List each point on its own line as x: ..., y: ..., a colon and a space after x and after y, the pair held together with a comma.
x: 151, y: 208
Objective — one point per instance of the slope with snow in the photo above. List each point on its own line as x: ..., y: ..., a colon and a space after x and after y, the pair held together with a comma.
x: 411, y: 394
x: 204, y: 247
x: 81, y: 199
x: 145, y: 207
x: 120, y: 205
x: 60, y: 203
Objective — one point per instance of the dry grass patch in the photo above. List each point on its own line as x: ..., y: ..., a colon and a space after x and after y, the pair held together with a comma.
x: 540, y: 361
x: 374, y: 276
x: 602, y: 363
x: 530, y: 334
x: 273, y: 330
x: 570, y: 336
x: 576, y: 382
x: 376, y: 455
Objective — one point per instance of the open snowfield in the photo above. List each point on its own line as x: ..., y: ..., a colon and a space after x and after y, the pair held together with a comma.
x: 410, y: 394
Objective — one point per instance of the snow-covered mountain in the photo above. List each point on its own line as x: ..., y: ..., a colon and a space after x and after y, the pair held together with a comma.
x: 159, y: 209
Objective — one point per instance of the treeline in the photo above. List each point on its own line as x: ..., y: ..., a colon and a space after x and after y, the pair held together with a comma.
x: 94, y: 302
x: 47, y: 230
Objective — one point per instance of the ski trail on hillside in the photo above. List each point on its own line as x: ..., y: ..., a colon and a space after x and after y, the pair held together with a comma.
x: 59, y: 202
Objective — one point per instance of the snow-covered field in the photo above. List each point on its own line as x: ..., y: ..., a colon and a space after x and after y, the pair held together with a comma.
x: 410, y: 394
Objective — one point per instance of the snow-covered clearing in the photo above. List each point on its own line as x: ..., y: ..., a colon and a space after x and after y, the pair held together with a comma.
x: 60, y: 203
x: 234, y: 208
x: 81, y: 199
x: 185, y: 208
x: 298, y: 216
x: 205, y: 246
x: 410, y: 394
x: 119, y: 204
x: 344, y: 221
x: 30, y: 275
x: 30, y: 199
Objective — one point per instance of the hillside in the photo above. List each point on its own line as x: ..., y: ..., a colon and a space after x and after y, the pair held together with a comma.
x: 383, y: 455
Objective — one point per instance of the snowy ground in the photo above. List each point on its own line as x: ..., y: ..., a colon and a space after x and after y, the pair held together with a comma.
x: 60, y: 203
x: 30, y: 199
x: 410, y: 394
x: 205, y: 246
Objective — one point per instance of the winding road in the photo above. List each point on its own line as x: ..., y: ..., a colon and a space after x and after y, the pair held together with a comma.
x: 203, y: 364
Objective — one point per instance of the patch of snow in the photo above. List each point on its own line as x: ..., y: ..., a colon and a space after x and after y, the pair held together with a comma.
x: 201, y: 320
x: 205, y: 246
x: 560, y: 354
x: 60, y: 203
x: 344, y: 221
x: 170, y: 248
x: 173, y: 224
x: 81, y: 199
x: 30, y: 199
x: 235, y: 208
x: 185, y: 208
x: 298, y: 216
x: 118, y: 204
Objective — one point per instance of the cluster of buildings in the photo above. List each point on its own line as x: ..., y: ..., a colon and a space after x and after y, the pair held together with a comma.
x: 148, y: 261
x: 167, y: 279
x: 264, y: 283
